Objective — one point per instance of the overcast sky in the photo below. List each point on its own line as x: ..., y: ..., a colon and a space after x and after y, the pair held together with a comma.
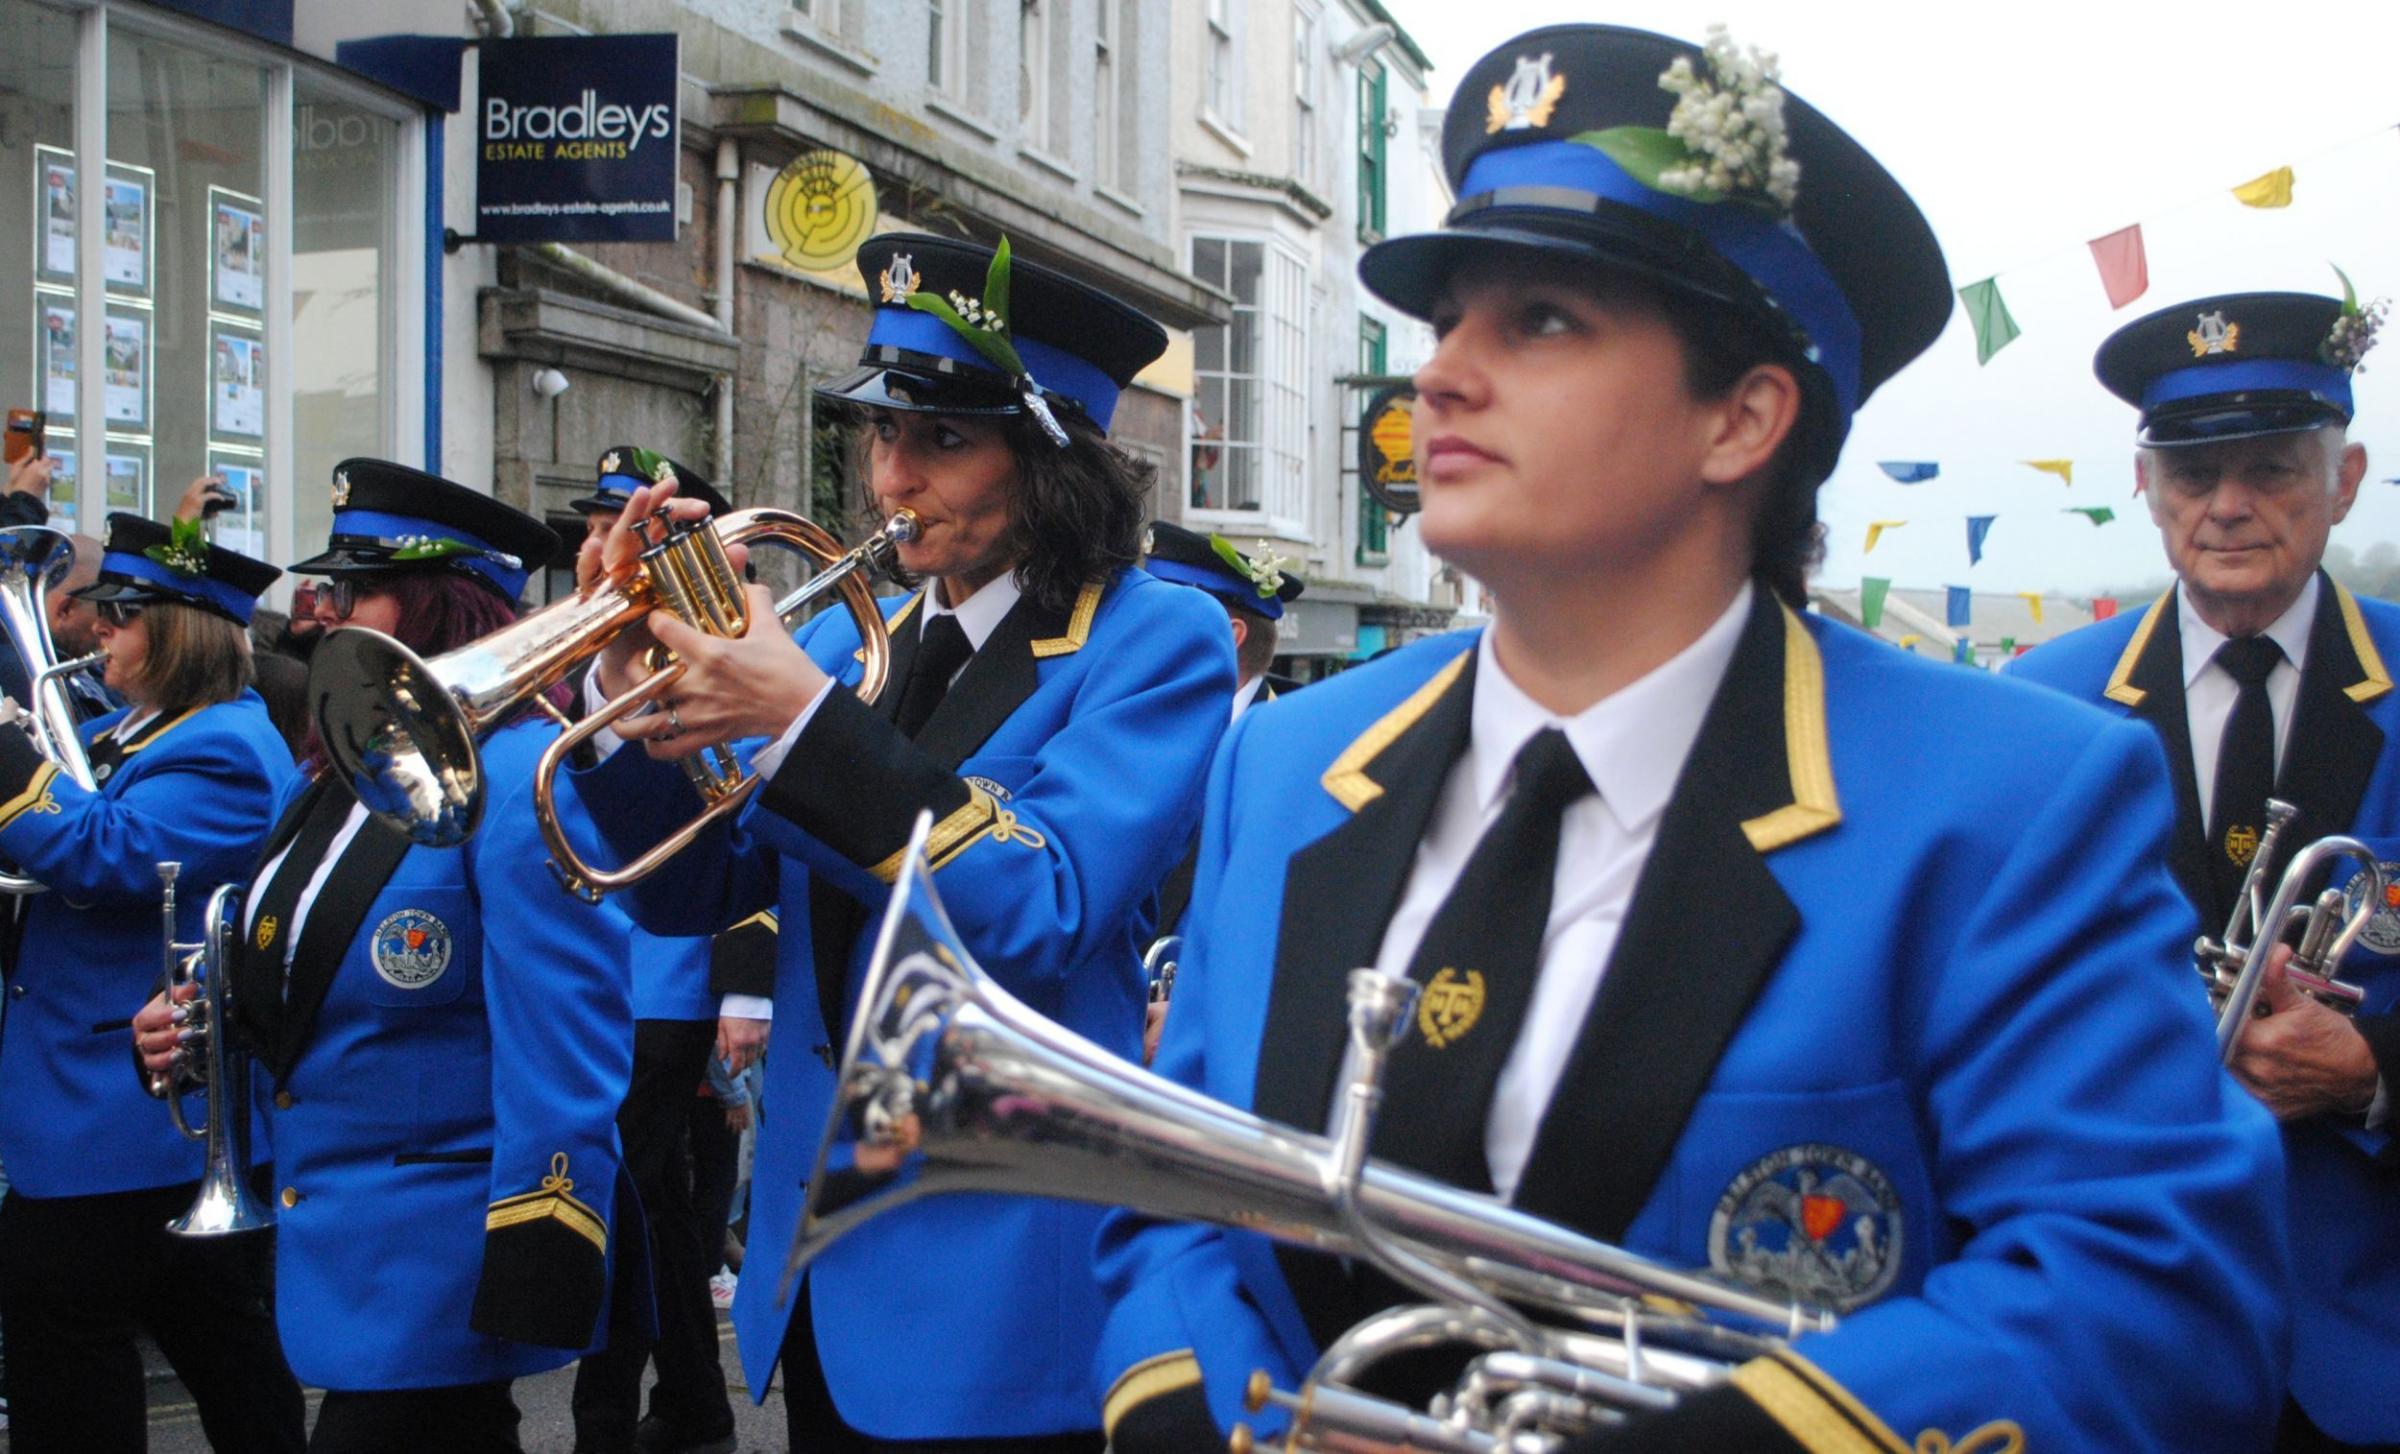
x: 2024, y: 130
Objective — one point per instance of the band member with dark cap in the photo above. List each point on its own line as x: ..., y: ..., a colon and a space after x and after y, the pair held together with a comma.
x: 442, y: 1034
x: 188, y: 771
x: 1053, y: 707
x: 1745, y: 941
x: 2265, y: 677
x: 676, y: 1024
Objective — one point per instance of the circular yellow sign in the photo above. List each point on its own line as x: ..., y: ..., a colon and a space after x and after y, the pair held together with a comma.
x: 820, y: 207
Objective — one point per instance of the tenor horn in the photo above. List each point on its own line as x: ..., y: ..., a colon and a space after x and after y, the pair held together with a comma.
x: 403, y: 729
x: 32, y: 559
x: 949, y: 1084
x: 2235, y: 963
x: 224, y: 1205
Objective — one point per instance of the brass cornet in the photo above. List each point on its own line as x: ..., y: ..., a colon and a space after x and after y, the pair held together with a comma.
x: 225, y: 1204
x: 403, y: 729
x: 2235, y: 965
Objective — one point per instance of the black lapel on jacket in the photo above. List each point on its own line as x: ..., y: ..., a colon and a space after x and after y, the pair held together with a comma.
x: 1339, y: 892
x: 333, y: 922
x: 258, y: 976
x: 2149, y: 680
x: 2333, y: 742
x: 906, y: 628
x: 1708, y: 923
x: 997, y: 679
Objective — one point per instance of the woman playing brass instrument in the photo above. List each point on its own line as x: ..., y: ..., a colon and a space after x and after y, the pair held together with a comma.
x: 187, y: 772
x: 1741, y: 938
x: 444, y: 1037
x: 1052, y: 706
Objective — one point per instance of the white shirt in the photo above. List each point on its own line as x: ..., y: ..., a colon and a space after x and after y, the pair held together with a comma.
x: 134, y: 722
x: 1247, y: 693
x: 2209, y: 690
x: 308, y: 894
x: 1633, y: 745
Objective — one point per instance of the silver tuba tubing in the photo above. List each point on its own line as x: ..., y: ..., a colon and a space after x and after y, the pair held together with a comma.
x: 32, y: 559
x: 949, y: 1084
x: 224, y: 1205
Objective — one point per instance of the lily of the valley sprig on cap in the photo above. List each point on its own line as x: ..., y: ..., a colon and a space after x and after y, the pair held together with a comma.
x: 1725, y: 140
x: 983, y: 323
x: 2352, y: 334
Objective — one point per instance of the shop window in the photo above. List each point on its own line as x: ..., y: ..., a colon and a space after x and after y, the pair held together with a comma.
x: 1373, y: 106
x: 1250, y: 418
x: 39, y: 208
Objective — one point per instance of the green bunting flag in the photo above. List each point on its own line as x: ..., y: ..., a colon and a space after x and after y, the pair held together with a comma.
x: 1994, y: 328
x: 2097, y: 514
x: 1871, y: 591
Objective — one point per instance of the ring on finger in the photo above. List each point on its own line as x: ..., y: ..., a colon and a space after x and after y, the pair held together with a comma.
x: 674, y: 723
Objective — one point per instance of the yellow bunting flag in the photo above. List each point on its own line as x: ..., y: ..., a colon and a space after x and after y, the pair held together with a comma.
x: 2063, y: 468
x: 2272, y: 190
x: 1909, y: 642
x: 2033, y: 603
x: 1875, y: 529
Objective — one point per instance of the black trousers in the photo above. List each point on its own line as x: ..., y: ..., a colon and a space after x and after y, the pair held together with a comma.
x: 2299, y: 1434
x: 472, y: 1418
x: 669, y: 1059
x: 816, y: 1427
x: 81, y: 1276
x: 716, y: 1171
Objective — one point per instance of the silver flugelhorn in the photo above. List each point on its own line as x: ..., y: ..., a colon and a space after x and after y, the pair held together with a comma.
x: 949, y: 1084
x: 32, y: 560
x: 225, y: 1204
x: 2235, y: 965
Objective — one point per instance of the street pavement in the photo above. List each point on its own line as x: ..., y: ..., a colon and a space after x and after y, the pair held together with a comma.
x: 549, y: 1428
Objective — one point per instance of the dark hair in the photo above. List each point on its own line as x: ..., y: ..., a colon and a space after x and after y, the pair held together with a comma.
x: 193, y: 658
x: 1720, y: 345
x: 1257, y: 651
x: 439, y: 610
x: 282, y: 683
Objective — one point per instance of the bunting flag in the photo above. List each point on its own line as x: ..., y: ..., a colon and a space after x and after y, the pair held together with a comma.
x: 2063, y: 468
x: 2103, y: 607
x: 1909, y: 642
x: 2272, y: 190
x: 1875, y: 529
x: 2033, y: 603
x: 2008, y: 646
x: 1962, y: 607
x: 1910, y: 471
x: 2124, y: 268
x: 2097, y: 514
x: 1871, y: 591
x: 1994, y: 329
x: 1978, y: 526
x: 1964, y: 654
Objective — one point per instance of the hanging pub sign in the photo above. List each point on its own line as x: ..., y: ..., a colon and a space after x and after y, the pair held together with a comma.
x: 1387, y: 459
x: 576, y: 139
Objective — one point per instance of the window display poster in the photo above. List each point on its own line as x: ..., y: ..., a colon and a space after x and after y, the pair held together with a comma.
x: 62, y: 490
x: 128, y: 474
x: 125, y: 369
x: 238, y: 385
x: 241, y: 525
x: 238, y: 247
x: 125, y: 233
x: 54, y: 342
x: 54, y: 174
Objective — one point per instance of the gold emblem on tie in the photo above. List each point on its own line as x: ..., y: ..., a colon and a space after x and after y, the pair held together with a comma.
x: 266, y: 930
x: 1450, y: 1006
x: 2241, y: 841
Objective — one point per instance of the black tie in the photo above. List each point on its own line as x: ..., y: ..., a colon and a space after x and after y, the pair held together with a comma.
x: 2245, y: 764
x: 1475, y: 971
x: 941, y: 651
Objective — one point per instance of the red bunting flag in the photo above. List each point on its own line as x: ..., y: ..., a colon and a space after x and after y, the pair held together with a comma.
x: 2103, y: 607
x: 2124, y: 268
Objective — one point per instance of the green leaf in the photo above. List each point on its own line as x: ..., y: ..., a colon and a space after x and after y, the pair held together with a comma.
x: 651, y: 466
x: 2349, y: 293
x: 995, y: 349
x: 1644, y: 152
x: 1241, y: 564
x: 441, y: 548
x: 995, y: 283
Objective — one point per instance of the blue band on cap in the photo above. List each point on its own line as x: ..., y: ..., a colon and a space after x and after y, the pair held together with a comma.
x: 620, y: 484
x: 1772, y: 253
x: 1055, y: 369
x: 2202, y: 381
x: 391, y: 530
x: 1224, y: 587
x: 209, y: 589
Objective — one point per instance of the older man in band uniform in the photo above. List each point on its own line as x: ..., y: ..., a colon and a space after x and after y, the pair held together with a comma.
x: 2265, y: 677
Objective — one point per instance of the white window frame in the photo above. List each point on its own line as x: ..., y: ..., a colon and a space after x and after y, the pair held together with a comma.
x: 1308, y: 151
x: 1107, y: 147
x: 1221, y: 98
x: 1282, y: 374
x: 1033, y: 74
x: 946, y: 48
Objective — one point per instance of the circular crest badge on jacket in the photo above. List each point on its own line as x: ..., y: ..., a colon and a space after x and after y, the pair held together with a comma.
x: 2382, y: 933
x: 1815, y: 1222
x: 411, y: 948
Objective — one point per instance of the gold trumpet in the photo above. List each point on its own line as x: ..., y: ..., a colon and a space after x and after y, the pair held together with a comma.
x: 403, y: 729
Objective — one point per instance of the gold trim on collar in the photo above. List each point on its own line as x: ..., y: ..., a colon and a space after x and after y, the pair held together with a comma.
x: 1815, y: 806
x: 763, y: 916
x: 2377, y: 678
x: 1151, y: 1378
x: 155, y: 731
x: 1347, y: 779
x: 551, y: 1202
x: 2120, y: 682
x: 892, y: 622
x: 1079, y: 625
x: 35, y: 798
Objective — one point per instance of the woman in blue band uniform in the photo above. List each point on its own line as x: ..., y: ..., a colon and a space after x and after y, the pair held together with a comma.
x: 189, y: 771
x: 444, y: 1035
x: 1746, y: 941
x: 1054, y: 708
